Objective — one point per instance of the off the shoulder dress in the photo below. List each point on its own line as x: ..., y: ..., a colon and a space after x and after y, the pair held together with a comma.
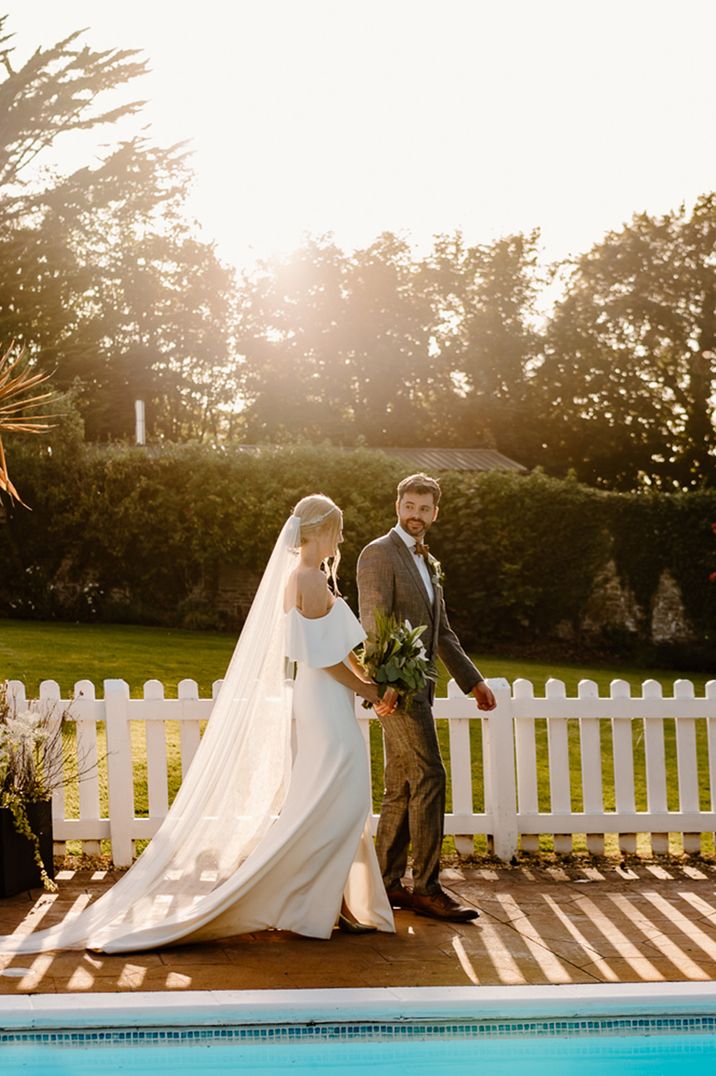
x: 320, y: 847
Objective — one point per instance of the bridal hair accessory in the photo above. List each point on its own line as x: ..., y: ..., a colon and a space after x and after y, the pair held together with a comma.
x: 294, y: 523
x: 319, y: 519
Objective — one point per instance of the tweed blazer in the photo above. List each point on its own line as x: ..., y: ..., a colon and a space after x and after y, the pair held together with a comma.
x: 389, y: 579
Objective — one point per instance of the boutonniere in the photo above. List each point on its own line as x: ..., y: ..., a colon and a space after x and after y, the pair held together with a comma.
x: 437, y: 571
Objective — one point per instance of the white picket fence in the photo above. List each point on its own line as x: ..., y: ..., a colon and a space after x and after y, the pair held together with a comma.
x: 661, y: 751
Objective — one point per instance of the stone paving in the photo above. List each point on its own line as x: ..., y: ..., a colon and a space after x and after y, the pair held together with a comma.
x: 570, y: 922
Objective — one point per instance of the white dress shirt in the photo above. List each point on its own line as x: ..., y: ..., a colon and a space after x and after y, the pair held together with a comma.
x: 419, y: 561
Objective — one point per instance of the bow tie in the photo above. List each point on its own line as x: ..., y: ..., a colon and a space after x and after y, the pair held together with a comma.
x: 421, y: 550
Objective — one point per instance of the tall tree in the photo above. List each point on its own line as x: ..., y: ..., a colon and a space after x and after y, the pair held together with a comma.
x: 291, y: 315
x: 100, y: 273
x: 486, y: 340
x: 55, y: 93
x: 337, y: 346
x: 391, y: 349
x: 628, y: 378
x: 392, y: 379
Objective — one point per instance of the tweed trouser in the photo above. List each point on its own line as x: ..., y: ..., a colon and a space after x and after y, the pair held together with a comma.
x: 414, y: 800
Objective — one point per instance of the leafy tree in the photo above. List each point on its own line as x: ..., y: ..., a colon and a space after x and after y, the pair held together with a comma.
x: 100, y: 273
x: 628, y: 377
x: 291, y: 315
x: 155, y: 318
x: 337, y: 345
x: 388, y: 364
x: 487, y: 342
x: 56, y: 93
x: 383, y: 347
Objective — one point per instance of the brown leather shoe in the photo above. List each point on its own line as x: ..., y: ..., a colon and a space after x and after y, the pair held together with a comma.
x: 399, y: 896
x: 440, y: 905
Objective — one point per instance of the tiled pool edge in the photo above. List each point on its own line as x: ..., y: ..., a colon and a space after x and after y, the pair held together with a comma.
x: 223, y: 1008
x: 396, y: 1032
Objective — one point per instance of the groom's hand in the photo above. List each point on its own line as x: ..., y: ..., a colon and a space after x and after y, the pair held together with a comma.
x: 483, y: 696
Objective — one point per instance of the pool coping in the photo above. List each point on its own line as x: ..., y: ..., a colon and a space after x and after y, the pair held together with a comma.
x: 219, y: 1008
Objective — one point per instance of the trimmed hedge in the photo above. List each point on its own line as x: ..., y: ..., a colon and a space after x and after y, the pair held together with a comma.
x: 127, y: 534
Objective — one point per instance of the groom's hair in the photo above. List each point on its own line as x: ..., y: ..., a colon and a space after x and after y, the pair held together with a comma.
x: 420, y: 483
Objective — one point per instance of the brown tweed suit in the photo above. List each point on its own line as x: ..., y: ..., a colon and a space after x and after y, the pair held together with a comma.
x: 414, y: 800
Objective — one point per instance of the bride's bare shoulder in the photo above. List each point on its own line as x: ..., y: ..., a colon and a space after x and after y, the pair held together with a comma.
x: 307, y: 590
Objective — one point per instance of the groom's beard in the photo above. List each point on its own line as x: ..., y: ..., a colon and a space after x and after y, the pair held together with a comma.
x: 416, y: 528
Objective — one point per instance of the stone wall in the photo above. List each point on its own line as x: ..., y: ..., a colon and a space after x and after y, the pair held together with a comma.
x: 613, y: 608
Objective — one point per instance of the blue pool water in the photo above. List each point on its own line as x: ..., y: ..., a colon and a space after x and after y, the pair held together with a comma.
x: 655, y: 1053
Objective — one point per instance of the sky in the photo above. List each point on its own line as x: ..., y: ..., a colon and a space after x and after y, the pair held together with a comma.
x: 414, y: 116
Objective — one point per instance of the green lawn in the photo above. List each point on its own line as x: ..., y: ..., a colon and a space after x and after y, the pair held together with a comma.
x: 33, y: 651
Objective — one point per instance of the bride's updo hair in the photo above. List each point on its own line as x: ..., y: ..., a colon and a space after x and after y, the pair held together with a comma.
x: 320, y: 515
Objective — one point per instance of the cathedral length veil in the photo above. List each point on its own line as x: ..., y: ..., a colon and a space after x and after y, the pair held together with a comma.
x: 235, y: 787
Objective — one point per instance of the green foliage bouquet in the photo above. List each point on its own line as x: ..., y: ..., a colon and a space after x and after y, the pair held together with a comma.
x: 393, y: 656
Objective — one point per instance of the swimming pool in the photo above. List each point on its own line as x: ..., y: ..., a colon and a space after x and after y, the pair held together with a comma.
x: 626, y: 1028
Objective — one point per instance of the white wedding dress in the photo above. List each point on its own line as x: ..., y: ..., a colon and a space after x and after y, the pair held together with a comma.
x: 320, y: 847
x: 259, y: 836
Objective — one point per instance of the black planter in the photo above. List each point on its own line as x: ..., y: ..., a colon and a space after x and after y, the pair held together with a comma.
x: 18, y: 869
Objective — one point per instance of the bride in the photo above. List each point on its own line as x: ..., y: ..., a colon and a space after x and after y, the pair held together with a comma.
x: 267, y: 830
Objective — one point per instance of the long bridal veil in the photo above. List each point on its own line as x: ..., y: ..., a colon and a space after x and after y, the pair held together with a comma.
x: 234, y: 789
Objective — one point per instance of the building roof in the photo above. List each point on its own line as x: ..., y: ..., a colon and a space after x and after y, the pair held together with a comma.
x: 455, y: 459
x: 430, y: 459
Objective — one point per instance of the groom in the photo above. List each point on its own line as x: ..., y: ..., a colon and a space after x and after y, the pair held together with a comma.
x: 397, y: 575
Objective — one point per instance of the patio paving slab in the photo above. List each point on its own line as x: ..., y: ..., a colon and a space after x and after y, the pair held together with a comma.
x: 539, y: 923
